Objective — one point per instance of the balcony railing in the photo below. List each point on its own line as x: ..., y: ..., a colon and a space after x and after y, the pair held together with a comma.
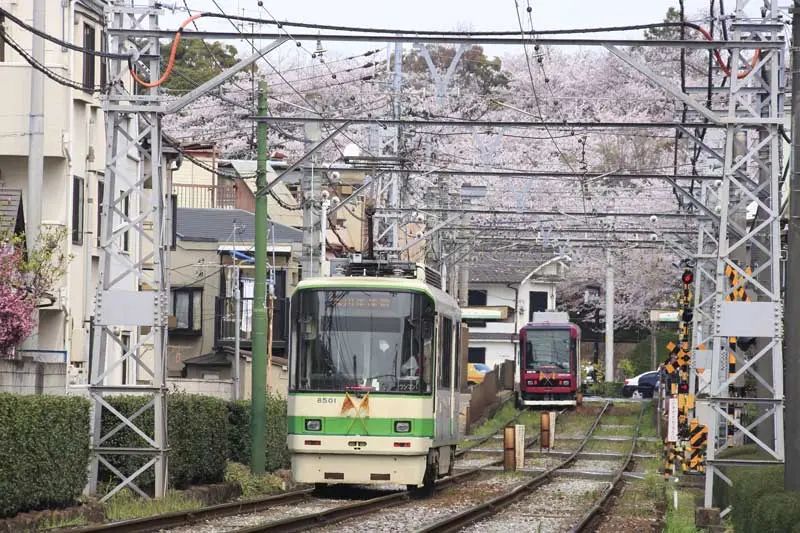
x: 226, y: 321
x: 214, y: 196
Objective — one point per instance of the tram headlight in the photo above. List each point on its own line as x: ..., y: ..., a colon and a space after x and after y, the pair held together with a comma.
x: 313, y: 424
x: 402, y: 426
x: 565, y: 382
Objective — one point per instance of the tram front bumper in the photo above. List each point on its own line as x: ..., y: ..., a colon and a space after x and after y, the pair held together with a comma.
x: 358, y: 459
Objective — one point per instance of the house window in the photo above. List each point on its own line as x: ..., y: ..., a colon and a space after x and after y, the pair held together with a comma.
x: 476, y: 298
x: 103, y: 60
x: 88, y: 57
x: 187, y: 307
x: 100, y: 199
x: 477, y: 355
x: 538, y: 303
x: 77, y: 210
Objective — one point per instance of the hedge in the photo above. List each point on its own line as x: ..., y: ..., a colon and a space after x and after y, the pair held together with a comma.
x: 44, y: 444
x: 197, y: 437
x: 760, y: 504
x: 44, y: 450
x: 277, y: 454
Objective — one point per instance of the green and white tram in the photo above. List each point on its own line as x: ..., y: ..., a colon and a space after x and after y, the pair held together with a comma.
x: 374, y: 366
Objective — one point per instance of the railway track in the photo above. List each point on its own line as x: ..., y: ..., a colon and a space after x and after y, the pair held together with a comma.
x: 458, y: 521
x: 299, y: 497
x: 589, y: 521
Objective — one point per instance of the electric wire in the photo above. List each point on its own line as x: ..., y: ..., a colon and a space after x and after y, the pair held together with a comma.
x: 58, y: 78
x: 4, y: 13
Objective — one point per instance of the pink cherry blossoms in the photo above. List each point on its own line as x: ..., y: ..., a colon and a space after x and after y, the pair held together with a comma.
x: 16, y: 302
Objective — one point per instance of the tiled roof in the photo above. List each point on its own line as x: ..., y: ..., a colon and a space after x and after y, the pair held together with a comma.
x: 11, y: 218
x: 217, y: 225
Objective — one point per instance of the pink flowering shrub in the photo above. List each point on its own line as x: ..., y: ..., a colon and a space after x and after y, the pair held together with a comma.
x: 17, y: 303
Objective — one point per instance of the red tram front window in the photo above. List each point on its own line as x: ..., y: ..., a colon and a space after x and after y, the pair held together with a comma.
x: 549, y: 350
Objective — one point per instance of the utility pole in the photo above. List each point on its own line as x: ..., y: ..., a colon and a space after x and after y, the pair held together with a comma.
x: 259, y: 366
x: 33, y: 204
x: 609, y: 373
x: 791, y: 478
x: 33, y: 220
x: 237, y: 297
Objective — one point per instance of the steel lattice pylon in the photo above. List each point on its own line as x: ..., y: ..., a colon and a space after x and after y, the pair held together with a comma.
x: 704, y: 295
x: 755, y: 100
x: 133, y: 286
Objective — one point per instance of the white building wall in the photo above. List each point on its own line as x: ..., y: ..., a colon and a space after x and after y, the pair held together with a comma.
x: 74, y: 145
x: 501, y: 294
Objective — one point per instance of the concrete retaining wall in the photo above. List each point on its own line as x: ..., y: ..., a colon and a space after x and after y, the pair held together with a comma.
x: 26, y: 376
x: 218, y: 388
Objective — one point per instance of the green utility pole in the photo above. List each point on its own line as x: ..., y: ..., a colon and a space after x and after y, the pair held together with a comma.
x: 258, y: 406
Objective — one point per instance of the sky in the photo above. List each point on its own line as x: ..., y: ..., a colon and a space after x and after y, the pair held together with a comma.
x: 484, y: 15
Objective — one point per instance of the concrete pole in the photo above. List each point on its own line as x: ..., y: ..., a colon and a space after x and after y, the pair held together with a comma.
x: 237, y: 297
x: 609, y: 372
x: 33, y: 203
x: 259, y: 365
x: 791, y: 347
x: 323, y: 248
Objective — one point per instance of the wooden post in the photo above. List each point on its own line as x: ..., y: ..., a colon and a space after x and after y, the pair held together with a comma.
x: 544, y: 435
x: 509, y: 457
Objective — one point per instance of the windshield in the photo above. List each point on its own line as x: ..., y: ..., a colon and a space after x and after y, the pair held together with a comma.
x: 548, y: 350
x: 364, y: 341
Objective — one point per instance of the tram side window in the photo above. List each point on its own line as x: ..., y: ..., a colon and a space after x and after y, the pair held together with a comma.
x: 428, y: 321
x: 457, y: 371
x: 446, y: 328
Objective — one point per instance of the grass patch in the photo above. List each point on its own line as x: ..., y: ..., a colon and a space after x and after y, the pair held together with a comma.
x: 614, y: 431
x: 251, y: 484
x: 126, y: 505
x: 606, y: 446
x: 58, y: 523
x: 680, y: 520
x: 502, y: 417
x: 576, y: 423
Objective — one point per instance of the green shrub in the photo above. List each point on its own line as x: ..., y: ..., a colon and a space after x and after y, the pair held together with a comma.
x: 197, y: 436
x: 44, y: 451
x: 251, y: 484
x: 759, y: 501
x: 239, y: 433
x: 606, y: 389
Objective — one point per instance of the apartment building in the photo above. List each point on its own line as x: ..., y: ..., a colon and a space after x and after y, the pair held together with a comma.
x: 74, y: 164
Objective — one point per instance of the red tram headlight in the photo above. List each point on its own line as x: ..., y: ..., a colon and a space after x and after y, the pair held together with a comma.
x: 530, y: 382
x: 565, y: 382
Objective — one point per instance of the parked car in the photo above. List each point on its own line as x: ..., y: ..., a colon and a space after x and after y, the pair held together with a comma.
x: 476, y: 372
x: 643, y: 385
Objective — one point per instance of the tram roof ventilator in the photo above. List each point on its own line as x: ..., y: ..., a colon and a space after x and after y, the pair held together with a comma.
x: 378, y: 268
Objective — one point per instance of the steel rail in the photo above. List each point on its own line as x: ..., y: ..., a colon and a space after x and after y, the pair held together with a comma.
x: 592, y: 514
x: 474, y: 514
x: 300, y: 523
x: 183, y: 518
x: 344, y: 512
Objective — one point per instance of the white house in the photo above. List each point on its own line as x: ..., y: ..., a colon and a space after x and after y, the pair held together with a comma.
x: 74, y: 167
x: 501, y: 301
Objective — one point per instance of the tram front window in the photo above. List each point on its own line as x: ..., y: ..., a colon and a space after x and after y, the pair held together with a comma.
x: 364, y: 341
x: 548, y: 350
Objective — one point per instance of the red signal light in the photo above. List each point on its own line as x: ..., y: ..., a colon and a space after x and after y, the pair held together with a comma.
x: 687, y: 277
